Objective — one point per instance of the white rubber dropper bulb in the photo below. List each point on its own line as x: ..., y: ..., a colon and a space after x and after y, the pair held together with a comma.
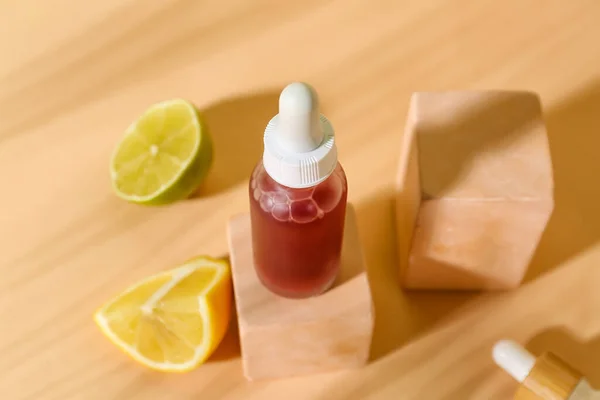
x: 299, y: 119
x: 514, y: 359
x: 300, y: 150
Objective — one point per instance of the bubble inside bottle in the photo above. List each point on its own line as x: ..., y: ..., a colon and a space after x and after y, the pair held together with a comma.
x: 342, y: 177
x: 281, y: 212
x: 297, y: 205
x: 304, y: 211
x: 328, y: 194
x: 280, y: 198
x: 266, y: 203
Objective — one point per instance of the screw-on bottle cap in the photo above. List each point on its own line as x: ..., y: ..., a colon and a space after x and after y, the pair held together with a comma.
x: 299, y: 142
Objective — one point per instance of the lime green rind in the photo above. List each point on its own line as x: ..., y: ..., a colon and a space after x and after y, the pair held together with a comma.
x: 191, y: 175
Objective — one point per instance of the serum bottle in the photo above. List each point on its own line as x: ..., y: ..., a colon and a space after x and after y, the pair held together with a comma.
x: 298, y: 196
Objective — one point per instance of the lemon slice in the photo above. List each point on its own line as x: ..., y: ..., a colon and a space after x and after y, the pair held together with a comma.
x: 164, y: 155
x: 172, y: 321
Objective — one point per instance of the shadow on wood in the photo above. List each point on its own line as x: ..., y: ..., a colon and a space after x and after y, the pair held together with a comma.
x: 403, y: 317
x: 230, y: 345
x: 236, y: 126
x: 573, y: 129
x: 455, y: 129
x: 580, y: 354
x: 399, y: 316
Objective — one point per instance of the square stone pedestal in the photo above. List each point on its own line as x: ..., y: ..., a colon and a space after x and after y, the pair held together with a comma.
x: 283, y: 337
x: 475, y: 189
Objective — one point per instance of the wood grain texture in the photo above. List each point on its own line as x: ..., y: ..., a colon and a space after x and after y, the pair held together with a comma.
x: 75, y: 74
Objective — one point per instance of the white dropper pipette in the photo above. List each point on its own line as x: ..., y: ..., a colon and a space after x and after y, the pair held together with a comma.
x: 514, y: 359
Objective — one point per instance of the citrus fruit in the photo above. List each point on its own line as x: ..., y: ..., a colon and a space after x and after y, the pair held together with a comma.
x: 164, y: 155
x: 172, y: 321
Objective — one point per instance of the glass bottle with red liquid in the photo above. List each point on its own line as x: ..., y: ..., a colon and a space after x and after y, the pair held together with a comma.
x: 298, y: 196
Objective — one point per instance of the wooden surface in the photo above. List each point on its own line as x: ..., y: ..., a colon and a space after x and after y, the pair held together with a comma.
x: 282, y: 337
x: 74, y: 74
x: 478, y: 165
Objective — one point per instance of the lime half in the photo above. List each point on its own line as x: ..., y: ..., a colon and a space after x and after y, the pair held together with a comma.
x: 164, y: 155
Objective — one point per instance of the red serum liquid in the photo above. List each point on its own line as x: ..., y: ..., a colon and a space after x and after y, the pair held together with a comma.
x: 297, y: 233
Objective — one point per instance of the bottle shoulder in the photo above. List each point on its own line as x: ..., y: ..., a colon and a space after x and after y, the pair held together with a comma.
x: 303, y: 204
x: 260, y: 178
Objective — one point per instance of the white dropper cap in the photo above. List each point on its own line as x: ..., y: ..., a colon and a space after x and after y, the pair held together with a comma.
x: 514, y: 359
x: 299, y: 142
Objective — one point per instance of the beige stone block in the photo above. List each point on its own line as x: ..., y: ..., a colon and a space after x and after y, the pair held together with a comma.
x: 283, y: 337
x: 475, y: 189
